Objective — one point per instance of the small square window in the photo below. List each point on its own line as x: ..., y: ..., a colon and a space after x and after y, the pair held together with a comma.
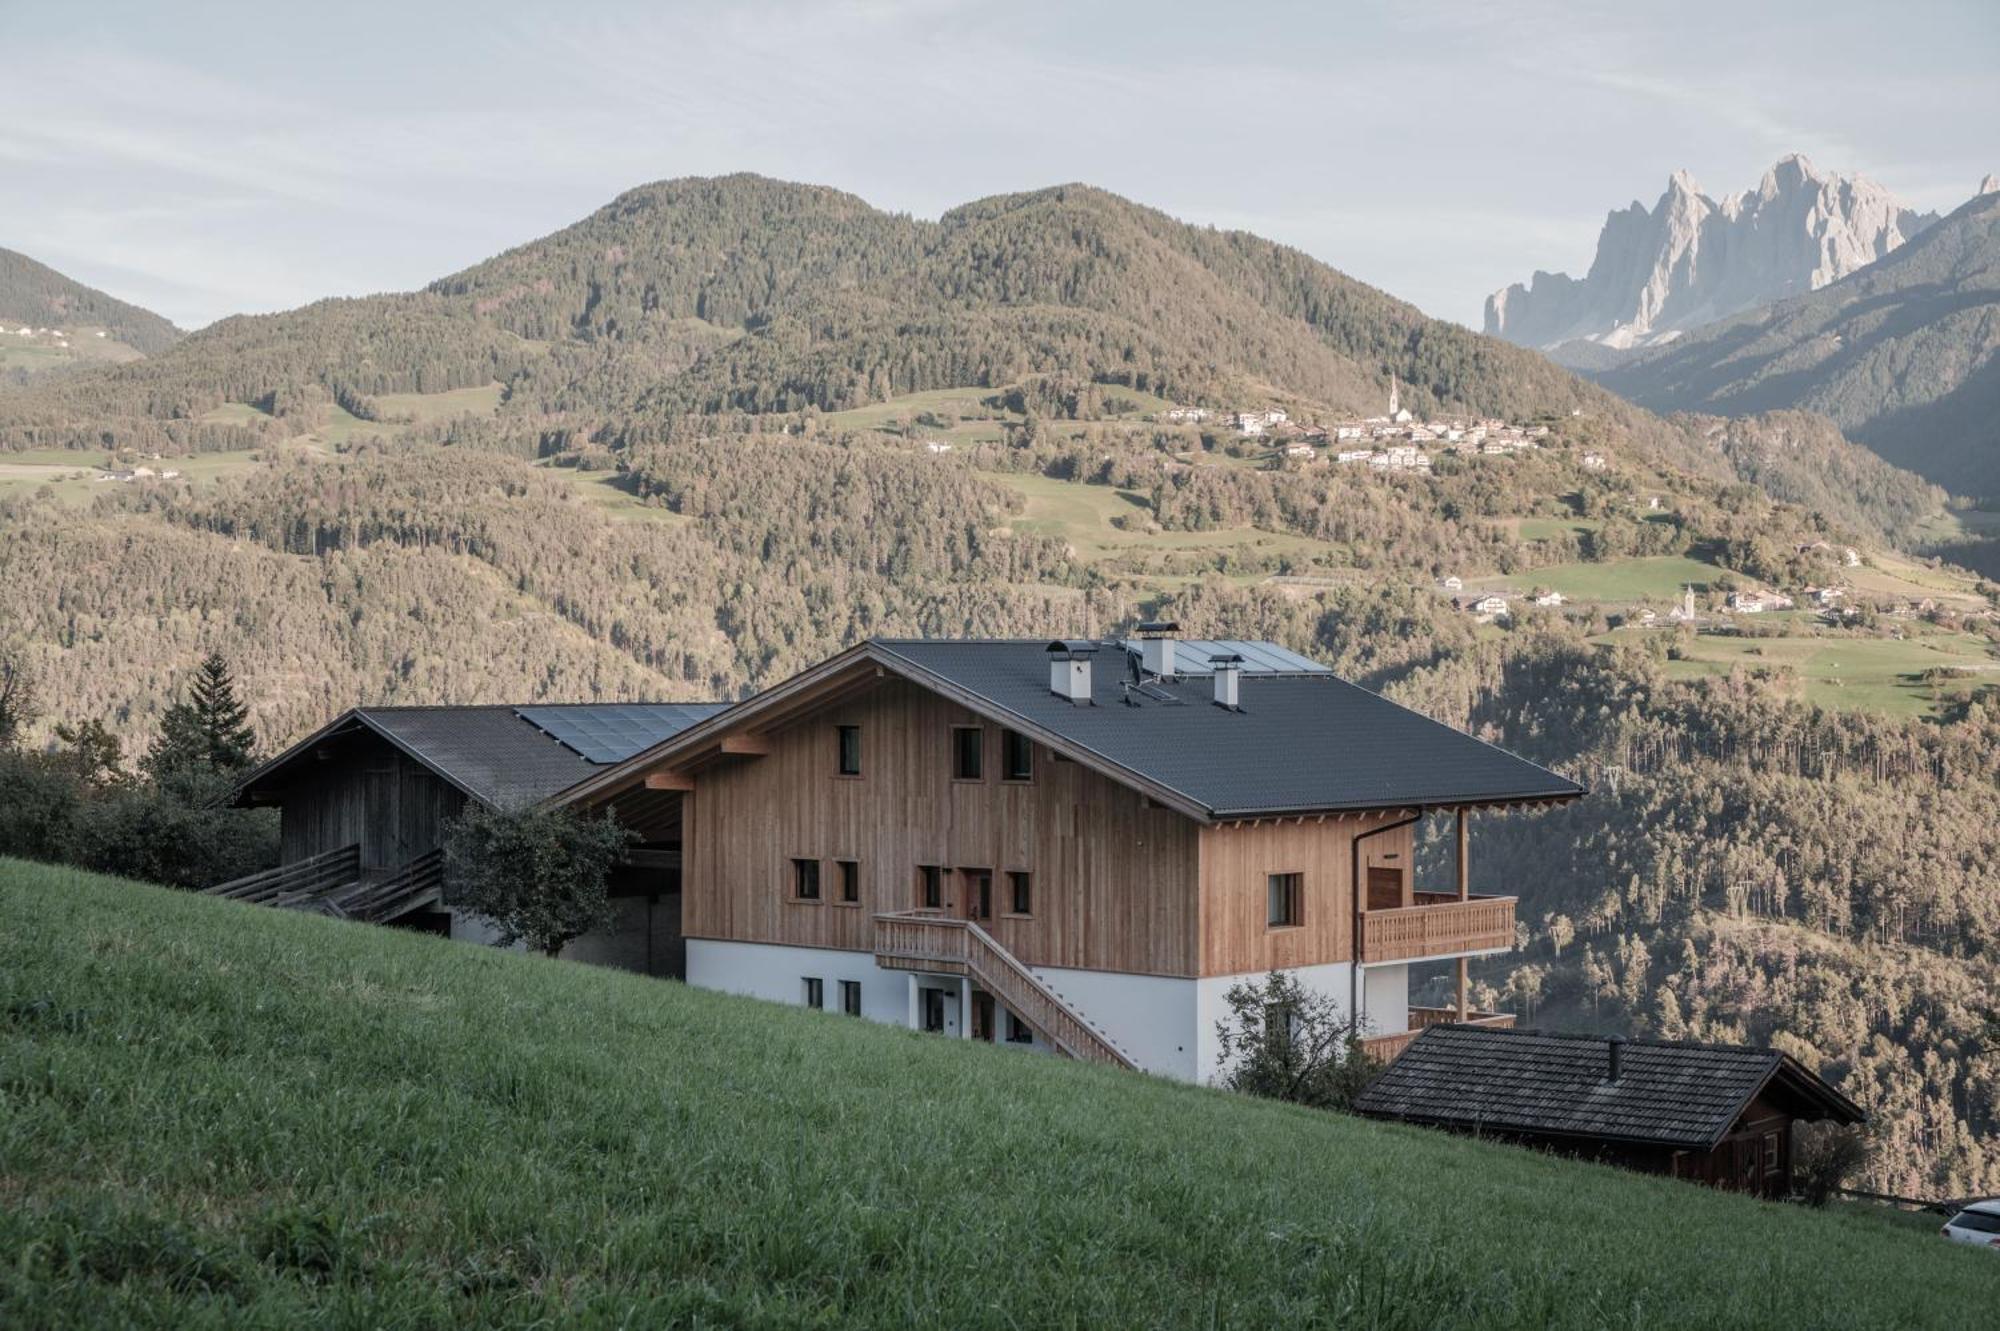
x: 1018, y: 1031
x: 1021, y: 892
x: 930, y: 886
x: 815, y: 992
x: 850, y: 880
x: 1282, y: 905
x: 848, y: 742
x: 850, y: 997
x: 805, y: 880
x: 968, y: 753
x: 1017, y: 756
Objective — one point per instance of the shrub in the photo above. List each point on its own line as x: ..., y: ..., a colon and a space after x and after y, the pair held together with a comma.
x: 537, y: 874
x: 1824, y: 1156
x: 1284, y: 1041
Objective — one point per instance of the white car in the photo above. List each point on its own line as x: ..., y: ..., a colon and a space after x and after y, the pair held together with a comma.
x: 1978, y: 1223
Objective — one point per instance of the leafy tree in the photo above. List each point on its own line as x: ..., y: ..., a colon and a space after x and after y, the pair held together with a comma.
x: 1287, y: 1042
x: 92, y: 753
x: 537, y: 874
x: 1824, y: 1157
x: 206, y: 733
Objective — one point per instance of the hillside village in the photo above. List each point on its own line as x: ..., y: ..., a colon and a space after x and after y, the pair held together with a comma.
x: 1393, y: 441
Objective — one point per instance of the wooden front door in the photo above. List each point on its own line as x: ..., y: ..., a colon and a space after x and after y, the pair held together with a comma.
x: 978, y: 893
x: 932, y: 1002
x: 1385, y: 888
x: 982, y: 1016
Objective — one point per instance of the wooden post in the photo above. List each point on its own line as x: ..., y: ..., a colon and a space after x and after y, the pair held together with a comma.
x: 1464, y: 868
x: 1464, y: 894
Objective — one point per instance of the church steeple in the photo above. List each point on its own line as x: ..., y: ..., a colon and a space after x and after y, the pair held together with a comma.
x: 1394, y: 401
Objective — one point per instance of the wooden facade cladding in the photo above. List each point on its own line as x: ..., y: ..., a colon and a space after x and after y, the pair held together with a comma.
x: 1113, y: 878
x: 367, y: 792
x: 1236, y: 862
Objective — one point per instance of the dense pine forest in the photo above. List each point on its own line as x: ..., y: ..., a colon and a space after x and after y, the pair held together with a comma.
x: 720, y: 429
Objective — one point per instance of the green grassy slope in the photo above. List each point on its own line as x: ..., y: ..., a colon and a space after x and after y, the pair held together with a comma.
x: 213, y: 1114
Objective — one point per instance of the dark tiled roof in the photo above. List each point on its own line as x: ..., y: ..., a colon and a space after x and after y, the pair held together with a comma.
x: 1496, y: 1080
x: 493, y: 753
x: 1300, y: 742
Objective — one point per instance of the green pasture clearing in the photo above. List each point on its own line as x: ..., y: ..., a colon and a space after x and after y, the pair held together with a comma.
x: 220, y: 1115
x: 73, y: 476
x: 483, y: 400
x: 1878, y: 675
x: 603, y: 490
x: 1654, y: 577
x: 1080, y: 515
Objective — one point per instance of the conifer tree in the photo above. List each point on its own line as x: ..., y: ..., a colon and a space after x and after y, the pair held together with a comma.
x: 206, y: 732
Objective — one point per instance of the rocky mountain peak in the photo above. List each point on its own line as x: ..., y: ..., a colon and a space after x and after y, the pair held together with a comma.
x: 1989, y: 185
x: 1692, y: 259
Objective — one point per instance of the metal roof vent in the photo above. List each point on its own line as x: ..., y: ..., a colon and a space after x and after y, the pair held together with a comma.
x: 1228, y: 673
x: 1157, y: 647
x: 1069, y: 669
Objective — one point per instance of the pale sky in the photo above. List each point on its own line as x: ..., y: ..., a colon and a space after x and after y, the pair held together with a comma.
x: 203, y: 159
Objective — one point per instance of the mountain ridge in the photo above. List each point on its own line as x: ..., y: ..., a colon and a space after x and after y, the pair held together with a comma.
x: 1692, y: 259
x: 33, y: 293
x: 1904, y: 355
x: 741, y: 293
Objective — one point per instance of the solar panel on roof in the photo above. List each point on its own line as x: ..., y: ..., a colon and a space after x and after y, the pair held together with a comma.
x: 1192, y: 655
x: 612, y: 732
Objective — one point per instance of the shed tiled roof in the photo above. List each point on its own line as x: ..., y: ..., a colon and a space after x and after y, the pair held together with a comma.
x: 493, y: 753
x: 1298, y: 742
x: 1672, y: 1094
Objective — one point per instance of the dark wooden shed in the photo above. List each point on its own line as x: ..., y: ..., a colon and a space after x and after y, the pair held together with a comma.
x: 365, y: 802
x: 1716, y: 1114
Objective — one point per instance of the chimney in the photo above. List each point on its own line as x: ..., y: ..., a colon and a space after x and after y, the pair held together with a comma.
x: 1157, y: 647
x: 1616, y: 1045
x: 1228, y: 672
x: 1069, y: 669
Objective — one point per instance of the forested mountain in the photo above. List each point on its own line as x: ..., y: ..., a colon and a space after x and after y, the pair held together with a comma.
x: 35, y: 295
x: 722, y: 428
x: 746, y: 294
x: 1904, y: 355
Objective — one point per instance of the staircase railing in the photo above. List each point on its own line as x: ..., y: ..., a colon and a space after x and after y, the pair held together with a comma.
x: 312, y: 876
x: 418, y: 884
x: 962, y: 947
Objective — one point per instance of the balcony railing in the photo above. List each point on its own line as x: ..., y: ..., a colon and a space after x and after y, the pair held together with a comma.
x: 1439, y: 925
x: 927, y: 940
x: 1382, y: 1048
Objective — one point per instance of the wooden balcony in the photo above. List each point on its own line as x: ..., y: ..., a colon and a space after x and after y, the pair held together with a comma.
x: 1382, y: 1048
x: 1440, y: 924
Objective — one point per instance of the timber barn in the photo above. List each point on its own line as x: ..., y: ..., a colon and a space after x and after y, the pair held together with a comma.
x: 364, y: 802
x: 1722, y: 1115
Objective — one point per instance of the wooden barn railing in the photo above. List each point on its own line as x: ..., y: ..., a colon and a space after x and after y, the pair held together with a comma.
x: 1440, y: 925
x: 418, y: 884
x: 310, y: 877
x: 951, y: 946
x: 1383, y: 1048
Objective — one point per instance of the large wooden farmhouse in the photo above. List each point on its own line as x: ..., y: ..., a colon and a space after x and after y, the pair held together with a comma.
x: 1076, y: 846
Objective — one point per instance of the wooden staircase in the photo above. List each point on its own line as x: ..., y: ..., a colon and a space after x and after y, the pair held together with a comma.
x: 301, y: 880
x: 332, y: 883
x: 946, y: 945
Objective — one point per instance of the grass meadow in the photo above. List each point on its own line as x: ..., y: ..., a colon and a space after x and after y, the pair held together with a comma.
x: 221, y: 1115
